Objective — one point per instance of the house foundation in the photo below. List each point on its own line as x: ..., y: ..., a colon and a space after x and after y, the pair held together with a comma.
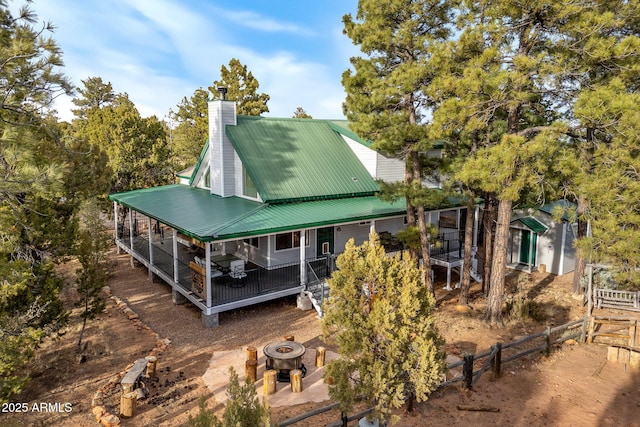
x: 178, y: 298
x: 210, y: 320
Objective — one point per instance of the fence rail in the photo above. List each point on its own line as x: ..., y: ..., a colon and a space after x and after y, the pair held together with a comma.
x: 492, y: 359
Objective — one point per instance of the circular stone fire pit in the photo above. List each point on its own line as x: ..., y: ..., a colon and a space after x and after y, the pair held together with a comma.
x: 284, y: 356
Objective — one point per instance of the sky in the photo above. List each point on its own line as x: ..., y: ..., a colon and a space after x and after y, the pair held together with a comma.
x: 160, y: 51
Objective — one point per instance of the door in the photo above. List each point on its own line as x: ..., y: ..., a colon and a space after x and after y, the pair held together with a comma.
x: 528, y: 247
x: 324, y: 237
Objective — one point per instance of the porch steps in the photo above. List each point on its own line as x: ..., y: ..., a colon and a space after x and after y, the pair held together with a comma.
x: 318, y: 293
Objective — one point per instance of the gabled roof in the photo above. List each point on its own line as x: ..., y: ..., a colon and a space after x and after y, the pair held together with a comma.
x: 532, y: 224
x: 559, y: 207
x: 298, y: 159
x: 197, y: 213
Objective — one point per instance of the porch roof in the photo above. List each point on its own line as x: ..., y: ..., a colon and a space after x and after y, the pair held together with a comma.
x: 532, y: 224
x: 206, y: 217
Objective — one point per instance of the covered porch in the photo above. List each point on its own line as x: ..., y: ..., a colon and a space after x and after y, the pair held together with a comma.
x: 190, y: 238
x: 170, y: 255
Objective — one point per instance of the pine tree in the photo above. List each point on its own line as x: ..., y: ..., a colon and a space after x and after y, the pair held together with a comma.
x: 242, y: 87
x: 379, y: 315
x: 386, y: 98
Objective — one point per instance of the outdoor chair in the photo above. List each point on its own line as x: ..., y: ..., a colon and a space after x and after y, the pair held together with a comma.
x: 237, y: 272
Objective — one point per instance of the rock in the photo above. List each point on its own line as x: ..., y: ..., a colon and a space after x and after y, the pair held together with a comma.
x: 571, y: 342
x: 98, y: 399
x: 463, y: 308
x: 109, y: 420
x: 98, y: 411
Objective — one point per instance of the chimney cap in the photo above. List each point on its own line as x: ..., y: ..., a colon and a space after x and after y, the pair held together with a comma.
x: 223, y: 92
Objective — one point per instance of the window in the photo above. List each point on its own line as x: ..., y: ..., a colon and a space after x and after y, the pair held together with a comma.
x: 248, y: 189
x: 325, y: 248
x: 253, y: 241
x: 365, y: 223
x: 290, y: 240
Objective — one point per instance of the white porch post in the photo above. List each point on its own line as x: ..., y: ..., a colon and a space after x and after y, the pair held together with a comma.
x: 531, y: 251
x: 131, y: 230
x: 303, y: 257
x: 207, y: 269
x: 150, y: 247
x: 562, y: 246
x: 150, y: 240
x: 476, y: 218
x: 115, y: 223
x: 372, y: 226
x: 176, y: 275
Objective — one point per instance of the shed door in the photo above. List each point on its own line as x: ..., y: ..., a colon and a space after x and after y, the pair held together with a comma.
x: 526, y: 246
x: 325, y: 240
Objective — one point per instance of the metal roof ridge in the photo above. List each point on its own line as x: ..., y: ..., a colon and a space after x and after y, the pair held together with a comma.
x: 238, y: 219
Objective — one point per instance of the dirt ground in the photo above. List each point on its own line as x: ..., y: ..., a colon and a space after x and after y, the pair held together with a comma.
x: 575, y: 386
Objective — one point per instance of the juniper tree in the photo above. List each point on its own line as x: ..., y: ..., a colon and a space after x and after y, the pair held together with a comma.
x: 380, y: 317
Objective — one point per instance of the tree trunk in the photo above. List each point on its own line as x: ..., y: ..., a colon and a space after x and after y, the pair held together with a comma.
x: 581, y: 263
x: 498, y: 267
x: 84, y: 320
x: 411, y: 212
x: 488, y: 223
x: 468, y: 243
x: 425, y: 244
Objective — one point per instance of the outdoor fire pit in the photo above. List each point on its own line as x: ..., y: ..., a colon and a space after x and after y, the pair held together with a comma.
x: 284, y: 356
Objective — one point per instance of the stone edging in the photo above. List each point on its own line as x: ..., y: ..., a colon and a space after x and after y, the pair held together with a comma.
x: 97, y: 402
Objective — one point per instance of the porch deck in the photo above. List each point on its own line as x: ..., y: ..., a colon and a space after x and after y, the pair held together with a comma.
x: 227, y: 293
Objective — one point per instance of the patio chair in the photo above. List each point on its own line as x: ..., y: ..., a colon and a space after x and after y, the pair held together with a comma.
x: 237, y: 272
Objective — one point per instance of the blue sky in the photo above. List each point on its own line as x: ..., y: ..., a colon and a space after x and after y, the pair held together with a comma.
x: 159, y: 51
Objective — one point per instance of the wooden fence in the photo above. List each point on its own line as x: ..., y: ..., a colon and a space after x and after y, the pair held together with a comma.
x: 492, y: 359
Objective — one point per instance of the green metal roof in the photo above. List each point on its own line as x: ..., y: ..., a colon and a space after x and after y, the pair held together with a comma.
x: 532, y: 224
x: 298, y: 159
x: 192, y: 211
x: 295, y: 216
x: 559, y: 207
x: 197, y: 213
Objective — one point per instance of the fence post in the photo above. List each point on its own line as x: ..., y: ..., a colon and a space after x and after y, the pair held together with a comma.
x: 547, y: 333
x: 344, y: 418
x: 497, y: 360
x: 467, y: 370
x: 585, y: 323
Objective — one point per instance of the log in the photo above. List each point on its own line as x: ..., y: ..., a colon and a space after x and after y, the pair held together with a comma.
x: 478, y: 408
x: 320, y: 355
x: 252, y: 353
x: 269, y: 380
x: 152, y: 362
x: 128, y: 404
x: 250, y: 371
x: 289, y: 338
x: 296, y: 380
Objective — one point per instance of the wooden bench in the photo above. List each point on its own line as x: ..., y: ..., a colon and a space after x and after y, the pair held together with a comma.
x: 622, y: 300
x: 132, y: 377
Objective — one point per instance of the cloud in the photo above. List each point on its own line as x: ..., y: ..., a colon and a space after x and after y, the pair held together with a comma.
x: 256, y: 21
x: 159, y: 51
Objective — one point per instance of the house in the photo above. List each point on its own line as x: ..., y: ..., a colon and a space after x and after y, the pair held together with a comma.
x: 263, y: 213
x: 543, y: 237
